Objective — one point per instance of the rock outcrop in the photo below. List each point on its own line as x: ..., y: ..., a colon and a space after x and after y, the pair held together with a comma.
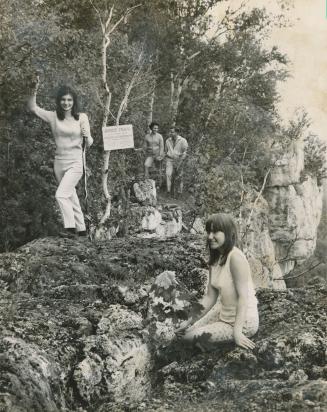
x: 279, y: 228
x: 73, y: 316
x: 286, y: 371
x: 141, y: 216
x: 145, y: 192
x: 295, y: 207
x: 257, y: 244
x: 117, y: 361
x: 82, y: 326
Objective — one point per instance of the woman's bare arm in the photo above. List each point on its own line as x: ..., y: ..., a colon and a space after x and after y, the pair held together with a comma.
x: 86, y: 130
x: 240, y: 271
x: 32, y: 106
x: 31, y: 102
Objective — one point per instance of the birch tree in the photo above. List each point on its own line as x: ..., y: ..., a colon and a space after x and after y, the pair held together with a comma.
x: 110, y: 19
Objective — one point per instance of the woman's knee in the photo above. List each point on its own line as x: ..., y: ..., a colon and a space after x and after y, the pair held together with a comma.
x: 251, y: 331
x: 251, y: 327
x: 59, y: 194
x: 189, y: 336
x: 62, y: 193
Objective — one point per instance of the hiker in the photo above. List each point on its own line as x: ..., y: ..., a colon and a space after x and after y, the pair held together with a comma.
x: 175, y: 151
x: 153, y: 147
x: 69, y: 128
x: 229, y: 306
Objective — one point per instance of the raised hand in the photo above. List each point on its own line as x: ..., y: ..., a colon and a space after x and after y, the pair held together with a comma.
x: 36, y: 81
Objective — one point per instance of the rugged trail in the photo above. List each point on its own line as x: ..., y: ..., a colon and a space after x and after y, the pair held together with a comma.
x: 76, y: 334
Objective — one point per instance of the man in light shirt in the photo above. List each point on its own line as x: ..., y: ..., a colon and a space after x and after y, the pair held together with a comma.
x: 176, y: 151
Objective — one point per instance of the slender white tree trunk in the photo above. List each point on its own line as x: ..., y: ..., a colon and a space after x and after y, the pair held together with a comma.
x: 108, y: 27
x: 106, y: 154
x: 151, y: 106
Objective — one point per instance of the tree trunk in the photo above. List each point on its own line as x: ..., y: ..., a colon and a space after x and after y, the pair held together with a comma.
x: 174, y: 104
x: 151, y: 105
x: 106, y: 154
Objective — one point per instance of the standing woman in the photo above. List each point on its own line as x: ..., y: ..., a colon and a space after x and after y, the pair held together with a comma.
x: 69, y: 128
x: 229, y: 306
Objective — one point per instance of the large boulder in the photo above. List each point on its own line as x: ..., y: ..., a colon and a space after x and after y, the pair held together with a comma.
x: 117, y: 360
x: 142, y: 217
x: 30, y: 378
x: 171, y: 223
x: 145, y: 192
x: 162, y: 222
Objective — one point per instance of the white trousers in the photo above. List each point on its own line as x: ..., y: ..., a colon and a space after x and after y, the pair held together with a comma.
x: 68, y: 174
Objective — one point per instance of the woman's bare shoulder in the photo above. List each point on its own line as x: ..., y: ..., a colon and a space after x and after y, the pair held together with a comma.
x: 237, y: 257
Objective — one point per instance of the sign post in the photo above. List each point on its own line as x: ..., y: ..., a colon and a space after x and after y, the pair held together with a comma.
x: 118, y: 137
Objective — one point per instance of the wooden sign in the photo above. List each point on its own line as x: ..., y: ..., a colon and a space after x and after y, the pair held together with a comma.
x: 118, y: 137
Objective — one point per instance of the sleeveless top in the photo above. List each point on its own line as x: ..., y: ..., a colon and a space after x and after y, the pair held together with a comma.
x: 221, y: 279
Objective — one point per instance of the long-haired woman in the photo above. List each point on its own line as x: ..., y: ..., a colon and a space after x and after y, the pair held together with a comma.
x: 229, y: 306
x: 69, y: 127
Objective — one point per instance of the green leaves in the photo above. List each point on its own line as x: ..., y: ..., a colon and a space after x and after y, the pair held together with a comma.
x: 315, y: 152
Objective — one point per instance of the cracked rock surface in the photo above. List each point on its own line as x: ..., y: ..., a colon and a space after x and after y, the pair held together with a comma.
x: 78, y: 333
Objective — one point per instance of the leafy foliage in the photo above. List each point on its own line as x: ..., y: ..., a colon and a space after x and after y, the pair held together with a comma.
x: 315, y: 158
x: 222, y: 91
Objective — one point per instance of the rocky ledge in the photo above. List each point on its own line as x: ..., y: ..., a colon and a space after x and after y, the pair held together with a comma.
x: 80, y: 325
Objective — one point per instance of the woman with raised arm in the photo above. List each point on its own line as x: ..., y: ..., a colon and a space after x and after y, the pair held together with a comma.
x: 229, y: 306
x: 71, y: 130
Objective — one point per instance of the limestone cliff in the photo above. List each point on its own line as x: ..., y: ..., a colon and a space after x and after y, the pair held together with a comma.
x: 278, y: 230
x: 295, y: 207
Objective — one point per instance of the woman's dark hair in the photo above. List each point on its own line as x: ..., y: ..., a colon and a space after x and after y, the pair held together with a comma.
x: 151, y: 125
x: 221, y: 222
x: 175, y: 128
x: 62, y: 91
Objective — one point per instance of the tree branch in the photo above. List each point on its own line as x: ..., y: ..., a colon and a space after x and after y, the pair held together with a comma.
x: 99, y: 16
x: 109, y: 17
x: 248, y: 223
x: 127, y: 13
x: 128, y: 89
x: 300, y: 274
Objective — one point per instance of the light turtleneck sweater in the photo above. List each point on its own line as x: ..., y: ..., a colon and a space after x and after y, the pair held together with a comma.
x: 68, y: 133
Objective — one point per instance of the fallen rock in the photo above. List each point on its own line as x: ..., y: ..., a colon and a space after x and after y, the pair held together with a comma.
x: 145, y: 192
x: 117, y: 360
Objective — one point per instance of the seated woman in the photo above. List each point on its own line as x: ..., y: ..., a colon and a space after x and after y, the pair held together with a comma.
x: 230, y: 307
